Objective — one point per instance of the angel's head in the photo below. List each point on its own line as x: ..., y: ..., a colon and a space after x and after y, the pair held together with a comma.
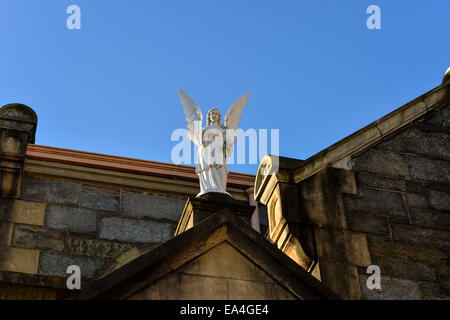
x: 213, y: 117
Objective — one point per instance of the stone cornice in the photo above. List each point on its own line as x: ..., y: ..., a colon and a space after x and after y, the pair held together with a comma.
x: 339, y: 154
x: 122, y: 164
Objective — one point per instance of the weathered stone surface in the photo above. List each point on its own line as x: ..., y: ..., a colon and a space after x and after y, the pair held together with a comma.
x: 6, y: 231
x: 424, y: 237
x: 78, y: 245
x: 127, y: 256
x: 417, y: 187
x: 391, y: 289
x: 435, y: 144
x: 376, y: 202
x: 12, y: 142
x: 414, y: 200
x: 6, y: 207
x: 440, y: 117
x: 406, y: 252
x: 40, y: 238
x: 71, y: 218
x: 10, y: 180
x: 250, y: 290
x: 19, y: 260
x: 19, y: 211
x: 368, y: 180
x: 141, y: 205
x: 56, y: 264
x: 100, y: 201
x: 371, y: 223
x: 98, y: 189
x: 382, y: 162
x: 440, y: 200
x: 45, y: 190
x: 430, y: 289
x: 346, y: 285
x: 431, y: 219
x: 444, y: 277
x: 178, y: 286
x: 135, y: 230
x: 432, y: 170
x: 226, y: 262
x: 342, y: 246
x: 9, y: 291
x: 402, y: 269
x: 263, y: 218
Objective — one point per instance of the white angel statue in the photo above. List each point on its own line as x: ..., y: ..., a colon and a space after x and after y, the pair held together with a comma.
x: 215, y: 141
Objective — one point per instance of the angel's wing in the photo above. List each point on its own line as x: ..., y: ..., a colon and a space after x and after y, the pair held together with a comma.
x: 232, y: 120
x: 193, y: 116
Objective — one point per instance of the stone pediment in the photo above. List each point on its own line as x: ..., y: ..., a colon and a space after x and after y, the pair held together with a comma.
x: 220, y: 258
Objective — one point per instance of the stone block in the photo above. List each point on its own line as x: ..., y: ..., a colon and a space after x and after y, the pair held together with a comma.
x: 27, y: 212
x: 415, y: 200
x: 131, y: 230
x: 19, y: 260
x: 422, y: 236
x: 440, y: 200
x: 391, y: 289
x: 369, y: 180
x: 370, y: 223
x: 140, y: 205
x: 46, y: 190
x: 430, y: 144
x: 401, y: 269
x: 38, y: 238
x: 382, y: 162
x: 24, y: 212
x: 431, y: 219
x: 376, y: 202
x: 71, y: 218
x: 407, y: 252
x: 79, y: 245
x: 55, y: 264
x: 430, y: 170
x: 100, y: 201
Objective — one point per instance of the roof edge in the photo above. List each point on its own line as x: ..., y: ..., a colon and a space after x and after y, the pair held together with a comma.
x: 338, y: 154
x: 123, y: 164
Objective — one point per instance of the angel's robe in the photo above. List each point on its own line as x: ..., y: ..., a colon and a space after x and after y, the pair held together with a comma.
x: 211, y: 166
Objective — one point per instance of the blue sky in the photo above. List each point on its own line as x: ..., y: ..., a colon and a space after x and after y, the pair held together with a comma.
x: 312, y: 68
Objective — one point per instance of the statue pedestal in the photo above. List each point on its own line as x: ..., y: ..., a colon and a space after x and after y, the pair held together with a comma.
x: 198, y: 209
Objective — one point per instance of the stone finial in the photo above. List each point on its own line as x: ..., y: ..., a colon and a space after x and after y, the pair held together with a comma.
x: 21, y: 117
x: 446, y: 76
x: 17, y: 128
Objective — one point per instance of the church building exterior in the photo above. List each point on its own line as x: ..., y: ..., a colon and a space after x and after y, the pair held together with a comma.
x: 376, y: 201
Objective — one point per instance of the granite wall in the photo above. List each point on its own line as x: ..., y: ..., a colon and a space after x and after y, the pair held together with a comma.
x: 403, y: 207
x: 56, y: 223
